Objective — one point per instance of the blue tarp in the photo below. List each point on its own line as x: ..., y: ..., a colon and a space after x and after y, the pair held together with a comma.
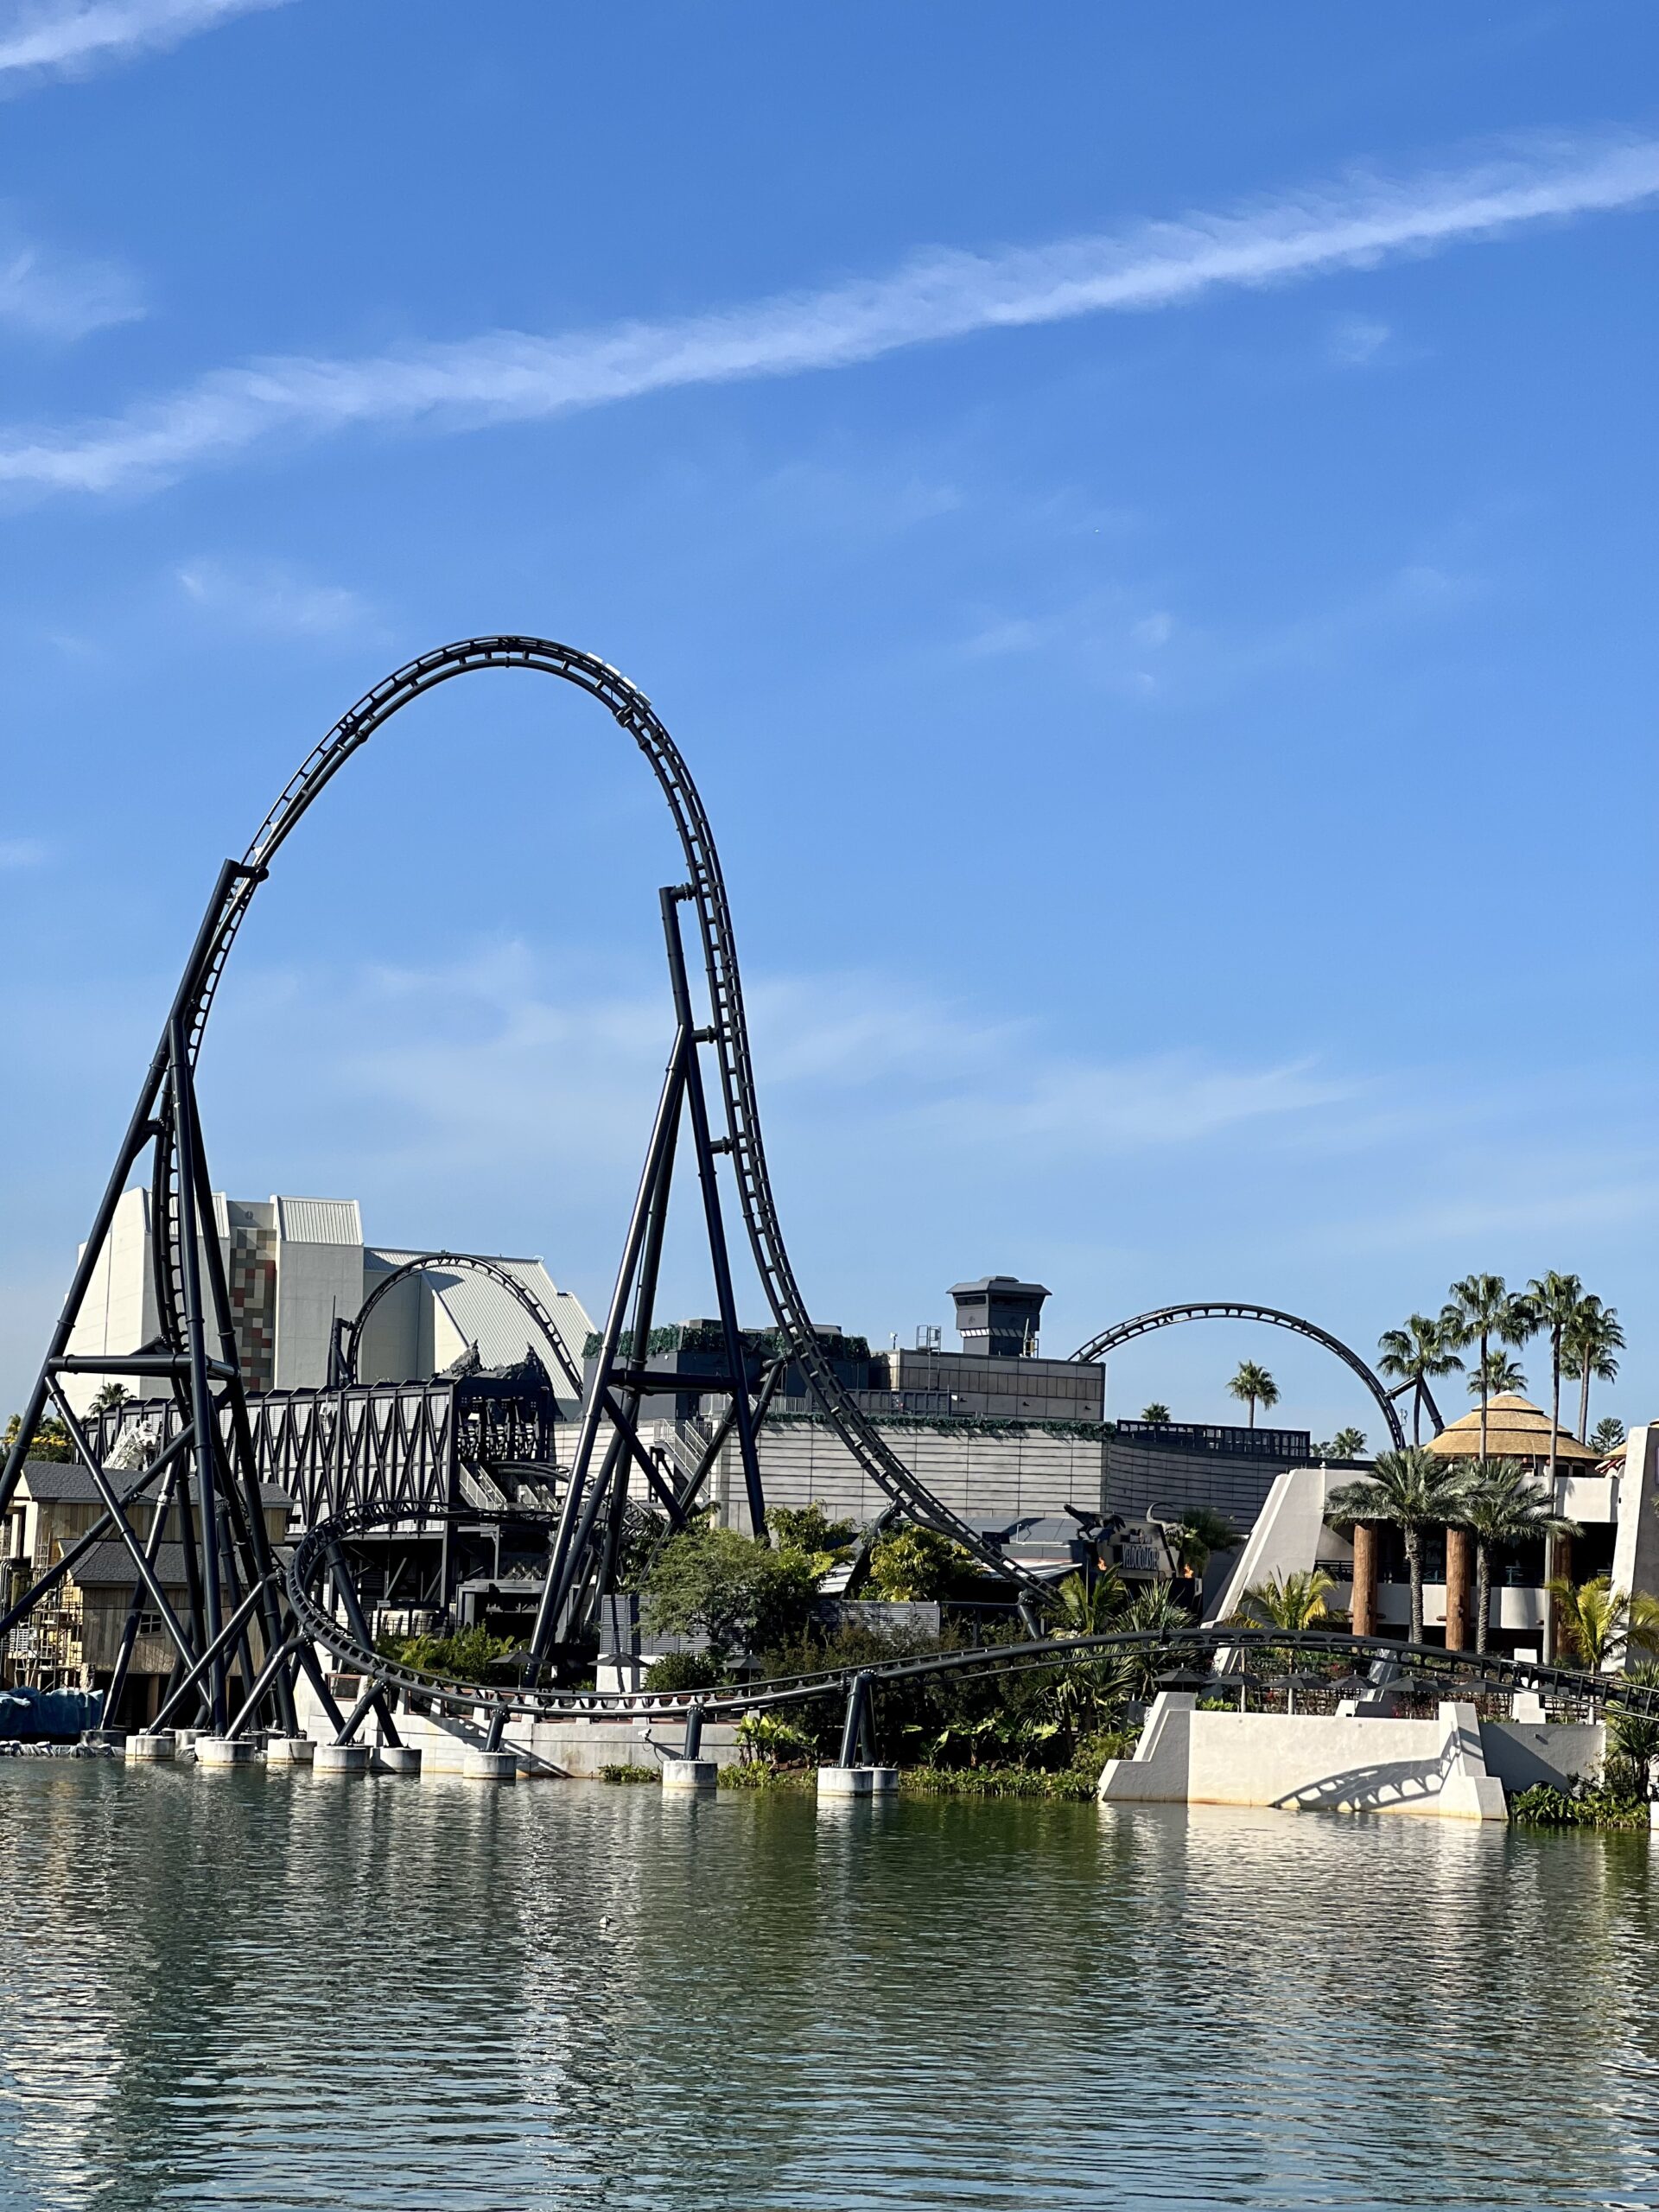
x: 27, y: 1715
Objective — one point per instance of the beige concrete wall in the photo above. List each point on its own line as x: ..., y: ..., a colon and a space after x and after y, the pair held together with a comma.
x: 1309, y: 1762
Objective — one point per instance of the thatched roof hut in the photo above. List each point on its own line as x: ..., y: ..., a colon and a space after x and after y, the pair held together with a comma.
x: 1515, y: 1429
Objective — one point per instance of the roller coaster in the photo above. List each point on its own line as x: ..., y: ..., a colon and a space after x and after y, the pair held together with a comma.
x: 303, y: 1610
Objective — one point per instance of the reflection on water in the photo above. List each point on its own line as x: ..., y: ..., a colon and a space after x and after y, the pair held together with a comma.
x: 243, y: 1988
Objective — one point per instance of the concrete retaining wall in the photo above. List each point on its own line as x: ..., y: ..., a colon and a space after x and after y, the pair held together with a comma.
x: 1312, y: 1762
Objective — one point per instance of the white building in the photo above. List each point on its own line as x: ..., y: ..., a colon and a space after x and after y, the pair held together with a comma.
x: 294, y: 1268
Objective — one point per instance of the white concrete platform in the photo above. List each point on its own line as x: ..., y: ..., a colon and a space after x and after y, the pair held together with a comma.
x: 690, y: 1774
x: 145, y: 1750
x: 491, y: 1766
x: 884, y: 1780
x: 225, y: 1750
x: 289, y: 1750
x: 340, y: 1758
x: 1347, y: 1762
x: 397, y: 1758
x: 846, y: 1781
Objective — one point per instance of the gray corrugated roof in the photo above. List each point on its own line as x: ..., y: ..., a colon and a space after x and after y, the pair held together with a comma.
x: 113, y: 1563
x: 319, y: 1220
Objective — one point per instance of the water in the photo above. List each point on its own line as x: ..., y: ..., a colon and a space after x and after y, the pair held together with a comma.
x: 280, y: 1990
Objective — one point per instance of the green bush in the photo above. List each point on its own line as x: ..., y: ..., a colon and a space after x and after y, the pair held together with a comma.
x: 630, y: 1774
x: 469, y: 1656
x: 771, y: 1741
x: 808, y: 1528
x: 682, y: 1670
x: 731, y: 1588
x: 918, y: 1565
x: 1590, y: 1805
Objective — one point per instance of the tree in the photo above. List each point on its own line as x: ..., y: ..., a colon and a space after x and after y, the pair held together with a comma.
x: 917, y: 1566
x: 808, y: 1528
x: 1346, y: 1444
x: 1555, y: 1299
x: 1601, y: 1624
x: 1087, y: 1608
x: 1292, y: 1602
x: 50, y: 1440
x: 1588, y: 1344
x: 1491, y: 1377
x: 1502, y: 1504
x: 109, y: 1398
x: 1478, y: 1309
x: 1418, y: 1354
x: 1411, y: 1490
x: 731, y: 1588
x: 1609, y: 1436
x: 1199, y: 1531
x: 1253, y: 1383
x: 1155, y: 1415
x: 1155, y: 1609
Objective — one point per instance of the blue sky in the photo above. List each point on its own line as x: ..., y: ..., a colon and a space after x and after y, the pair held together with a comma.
x: 1141, y: 520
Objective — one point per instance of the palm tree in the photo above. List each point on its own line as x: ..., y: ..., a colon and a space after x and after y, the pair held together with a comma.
x: 1199, y: 1531
x: 1156, y: 1415
x: 1590, y: 1338
x: 1495, y: 1375
x: 1292, y: 1602
x: 1555, y: 1299
x: 1502, y: 1504
x: 1255, y: 1384
x: 1478, y: 1309
x: 1346, y: 1444
x: 1601, y: 1624
x: 1088, y: 1608
x: 1411, y: 1490
x: 1609, y: 1436
x: 1418, y: 1352
x: 1155, y: 1607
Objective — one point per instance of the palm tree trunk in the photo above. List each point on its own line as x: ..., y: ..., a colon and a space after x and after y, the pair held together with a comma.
x: 1417, y: 1413
x: 1554, y: 1431
x: 1414, y: 1568
x: 1584, y: 1400
x: 1483, y: 1591
x: 1483, y: 1394
x: 1252, y: 1409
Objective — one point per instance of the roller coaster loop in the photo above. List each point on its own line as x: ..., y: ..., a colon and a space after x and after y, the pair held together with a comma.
x: 1234, y: 1309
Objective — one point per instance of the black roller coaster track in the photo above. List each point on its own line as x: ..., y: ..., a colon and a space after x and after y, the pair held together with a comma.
x: 350, y: 1338
x: 1226, y: 1309
x: 320, y: 1550
x: 196, y: 1355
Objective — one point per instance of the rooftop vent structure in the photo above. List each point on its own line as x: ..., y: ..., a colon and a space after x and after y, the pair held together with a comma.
x: 999, y: 1315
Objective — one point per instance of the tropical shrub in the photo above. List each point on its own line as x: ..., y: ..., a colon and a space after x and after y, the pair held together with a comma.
x: 468, y: 1655
x: 682, y: 1670
x: 734, y: 1590
x: 918, y: 1565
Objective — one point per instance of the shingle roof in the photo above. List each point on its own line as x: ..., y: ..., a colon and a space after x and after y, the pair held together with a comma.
x: 113, y: 1563
x: 65, y: 1482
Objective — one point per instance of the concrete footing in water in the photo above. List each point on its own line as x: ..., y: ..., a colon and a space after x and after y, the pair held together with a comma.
x: 289, y: 1750
x: 884, y: 1780
x: 690, y: 1774
x: 398, y: 1759
x: 341, y: 1758
x: 146, y: 1750
x: 845, y: 1782
x: 225, y: 1750
x: 491, y: 1766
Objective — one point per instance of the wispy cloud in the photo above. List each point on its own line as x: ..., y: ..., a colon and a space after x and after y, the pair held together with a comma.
x: 510, y: 376
x: 1357, y: 341
x: 17, y: 853
x: 56, y: 295
x: 273, y: 601
x: 64, y: 38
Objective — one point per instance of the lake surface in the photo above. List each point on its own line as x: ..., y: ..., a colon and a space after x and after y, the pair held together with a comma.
x: 221, y: 1988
